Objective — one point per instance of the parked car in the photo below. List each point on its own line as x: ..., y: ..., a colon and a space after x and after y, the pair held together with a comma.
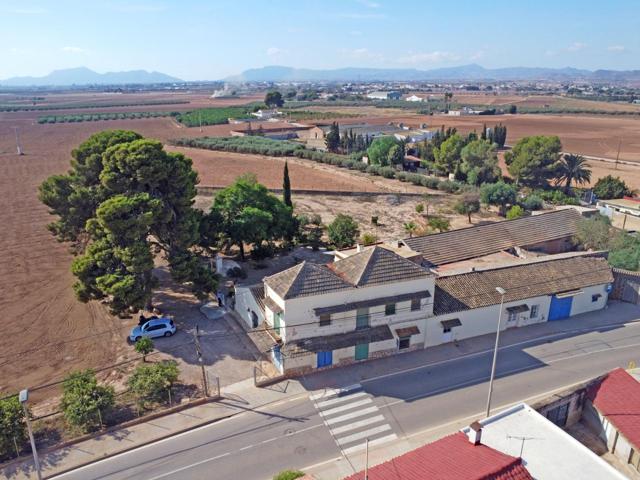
x: 157, y: 327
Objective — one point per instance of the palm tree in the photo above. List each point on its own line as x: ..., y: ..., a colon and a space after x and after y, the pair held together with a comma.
x: 410, y: 228
x: 572, y: 168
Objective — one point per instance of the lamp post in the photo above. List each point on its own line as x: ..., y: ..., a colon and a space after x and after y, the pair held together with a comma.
x: 501, y: 291
x: 23, y: 397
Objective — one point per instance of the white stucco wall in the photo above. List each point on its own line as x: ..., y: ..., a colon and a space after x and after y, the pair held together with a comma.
x: 301, y: 321
x: 582, y: 302
x: 245, y: 304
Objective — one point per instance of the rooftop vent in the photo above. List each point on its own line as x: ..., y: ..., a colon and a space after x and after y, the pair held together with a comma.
x: 475, y: 433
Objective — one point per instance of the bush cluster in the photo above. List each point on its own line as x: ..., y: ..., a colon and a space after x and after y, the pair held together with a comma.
x: 213, y: 116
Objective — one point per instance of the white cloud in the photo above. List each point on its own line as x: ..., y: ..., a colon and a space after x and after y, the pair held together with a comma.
x: 274, y: 51
x: 427, y: 57
x: 616, y: 48
x: 76, y: 50
x: 576, y: 46
x: 368, y: 3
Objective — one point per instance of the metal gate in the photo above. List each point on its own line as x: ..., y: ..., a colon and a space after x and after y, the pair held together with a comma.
x: 325, y: 358
x: 630, y: 292
x: 560, y: 308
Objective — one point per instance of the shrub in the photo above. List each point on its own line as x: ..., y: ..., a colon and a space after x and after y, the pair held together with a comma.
x: 262, y: 251
x: 515, y: 212
x: 439, y: 223
x: 84, y: 402
x: 236, y: 272
x: 387, y: 172
x: 288, y: 475
x: 532, y: 202
x: 449, y: 186
x: 610, y: 187
x: 420, y: 208
x: 343, y: 231
x: 368, y: 238
x: 151, y: 382
x: 12, y: 427
x: 374, y: 220
x: 144, y: 347
x: 430, y: 182
x: 373, y: 169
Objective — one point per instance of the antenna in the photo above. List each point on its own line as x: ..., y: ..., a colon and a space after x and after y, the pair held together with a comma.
x: 522, y: 439
x: 618, y: 154
x: 18, y: 146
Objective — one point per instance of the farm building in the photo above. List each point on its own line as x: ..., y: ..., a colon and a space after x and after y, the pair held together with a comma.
x: 612, y: 409
x: 414, y: 98
x: 547, y: 233
x: 376, y: 302
x: 380, y: 95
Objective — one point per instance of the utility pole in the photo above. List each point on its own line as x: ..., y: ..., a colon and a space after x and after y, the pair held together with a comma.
x: 501, y: 291
x: 18, y: 146
x: 196, y: 338
x: 23, y: 397
x: 618, y: 154
x: 366, y: 460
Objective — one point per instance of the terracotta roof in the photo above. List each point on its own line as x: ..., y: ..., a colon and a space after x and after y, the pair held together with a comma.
x: 478, y: 241
x: 257, y: 291
x: 377, y: 265
x: 478, y: 289
x: 370, y: 267
x: 617, y: 397
x: 450, y: 458
x: 305, y: 279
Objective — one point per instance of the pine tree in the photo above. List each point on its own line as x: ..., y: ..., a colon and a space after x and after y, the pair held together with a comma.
x: 483, y: 135
x: 286, y: 187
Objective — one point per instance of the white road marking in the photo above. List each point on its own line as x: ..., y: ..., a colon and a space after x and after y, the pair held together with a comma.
x: 360, y: 435
x: 358, y: 424
x: 334, y: 391
x: 372, y: 443
x: 349, y: 416
x: 349, y: 406
x: 340, y: 399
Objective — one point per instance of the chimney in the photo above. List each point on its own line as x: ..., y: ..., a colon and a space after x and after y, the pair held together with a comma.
x: 475, y: 433
x: 358, y: 247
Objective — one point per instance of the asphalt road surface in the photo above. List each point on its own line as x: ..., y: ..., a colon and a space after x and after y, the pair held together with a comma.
x: 310, y: 429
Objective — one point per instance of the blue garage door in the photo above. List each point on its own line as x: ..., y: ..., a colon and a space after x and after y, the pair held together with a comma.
x: 325, y: 358
x: 560, y: 308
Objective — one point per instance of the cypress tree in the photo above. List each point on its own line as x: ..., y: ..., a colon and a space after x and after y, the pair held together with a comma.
x: 286, y: 187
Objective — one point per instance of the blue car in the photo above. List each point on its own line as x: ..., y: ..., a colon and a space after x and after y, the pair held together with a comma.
x: 157, y: 327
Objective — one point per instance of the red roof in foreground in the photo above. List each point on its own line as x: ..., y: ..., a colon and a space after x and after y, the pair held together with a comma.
x: 617, y: 397
x: 450, y: 458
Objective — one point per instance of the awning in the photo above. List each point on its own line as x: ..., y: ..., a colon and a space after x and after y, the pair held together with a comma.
x: 518, y: 309
x: 568, y: 293
x: 407, y: 331
x: 454, y: 322
x: 273, y: 306
x: 346, y: 307
x: 334, y: 342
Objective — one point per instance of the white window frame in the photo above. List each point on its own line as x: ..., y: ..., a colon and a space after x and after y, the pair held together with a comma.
x: 535, y: 311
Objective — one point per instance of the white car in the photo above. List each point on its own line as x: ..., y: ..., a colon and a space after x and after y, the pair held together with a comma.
x: 157, y: 327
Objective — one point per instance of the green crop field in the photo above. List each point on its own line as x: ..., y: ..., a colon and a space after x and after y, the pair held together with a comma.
x: 213, y: 116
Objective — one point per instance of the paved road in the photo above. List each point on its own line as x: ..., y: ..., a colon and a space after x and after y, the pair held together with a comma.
x: 311, y: 429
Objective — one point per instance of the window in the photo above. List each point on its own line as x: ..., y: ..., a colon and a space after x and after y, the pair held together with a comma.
x: 325, y: 319
x: 390, y: 309
x: 404, y: 343
x: 415, y: 304
x: 596, y: 297
x: 513, y: 316
x: 534, y: 311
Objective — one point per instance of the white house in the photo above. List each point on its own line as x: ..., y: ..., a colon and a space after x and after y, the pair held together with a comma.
x: 368, y: 305
x: 548, y: 452
x: 414, y: 98
x: 613, y: 411
x: 266, y: 114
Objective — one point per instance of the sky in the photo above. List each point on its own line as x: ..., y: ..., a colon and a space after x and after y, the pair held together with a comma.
x: 209, y: 40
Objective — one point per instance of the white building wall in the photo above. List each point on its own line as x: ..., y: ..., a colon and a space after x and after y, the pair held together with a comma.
x: 482, y: 321
x: 302, y: 322
x: 583, y: 303
x: 245, y: 304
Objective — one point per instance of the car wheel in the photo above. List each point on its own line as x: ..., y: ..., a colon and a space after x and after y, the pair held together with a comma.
x: 167, y: 334
x: 136, y: 339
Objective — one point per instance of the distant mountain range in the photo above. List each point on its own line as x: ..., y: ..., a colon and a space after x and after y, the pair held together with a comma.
x: 85, y: 76
x: 464, y: 72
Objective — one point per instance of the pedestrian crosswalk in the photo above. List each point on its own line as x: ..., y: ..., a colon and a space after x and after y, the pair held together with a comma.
x: 353, y: 418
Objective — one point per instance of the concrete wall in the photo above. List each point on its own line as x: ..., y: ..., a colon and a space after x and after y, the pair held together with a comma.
x: 616, y: 442
x: 552, y: 246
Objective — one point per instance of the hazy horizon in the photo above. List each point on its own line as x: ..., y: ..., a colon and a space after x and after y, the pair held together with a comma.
x: 193, y: 40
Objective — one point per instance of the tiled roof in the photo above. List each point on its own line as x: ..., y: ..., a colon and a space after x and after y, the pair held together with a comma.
x: 617, y: 397
x: 305, y: 279
x: 472, y: 242
x: 340, y: 340
x: 478, y: 289
x: 370, y: 267
x: 450, y: 458
x: 377, y: 265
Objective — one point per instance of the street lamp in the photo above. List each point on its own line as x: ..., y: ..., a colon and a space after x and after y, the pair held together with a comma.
x: 23, y: 397
x: 501, y: 291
